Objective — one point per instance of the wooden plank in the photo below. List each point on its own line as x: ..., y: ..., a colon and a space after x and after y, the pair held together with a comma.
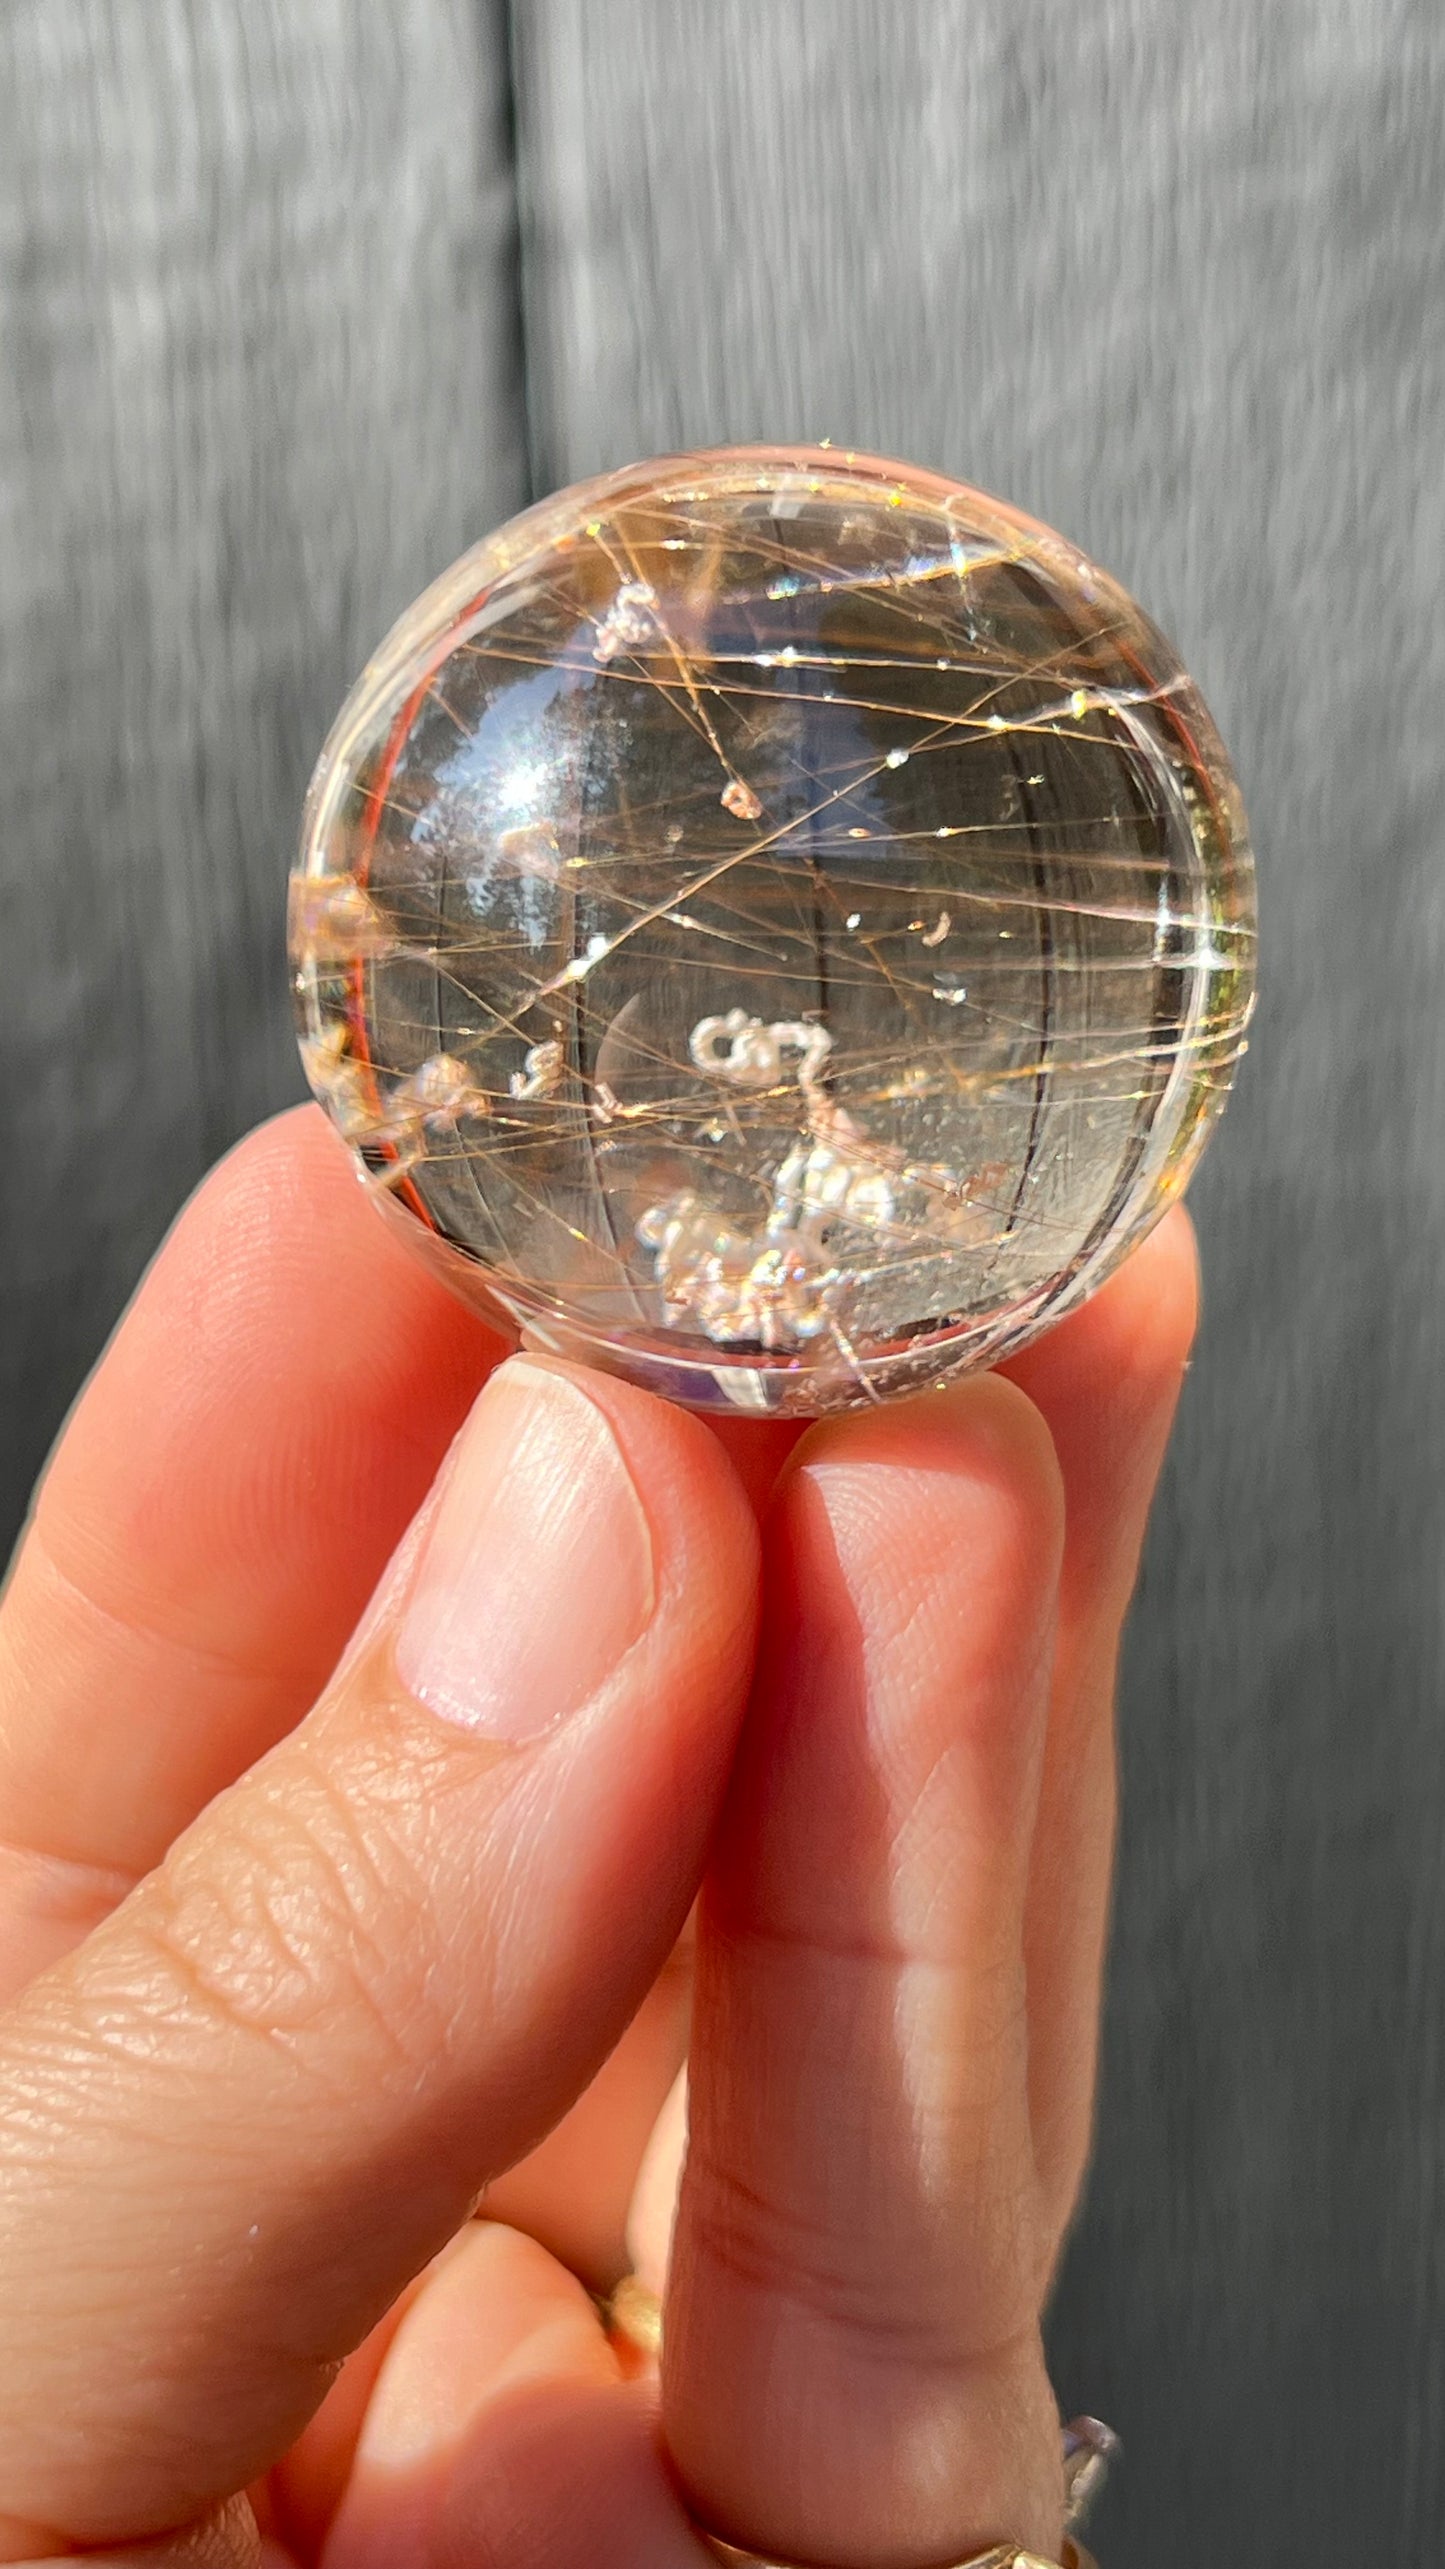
x: 1172, y: 279
x: 261, y: 380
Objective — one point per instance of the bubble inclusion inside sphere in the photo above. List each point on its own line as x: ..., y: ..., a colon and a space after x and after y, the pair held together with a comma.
x: 780, y: 924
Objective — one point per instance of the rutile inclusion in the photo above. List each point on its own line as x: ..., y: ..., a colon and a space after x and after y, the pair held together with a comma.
x: 775, y: 923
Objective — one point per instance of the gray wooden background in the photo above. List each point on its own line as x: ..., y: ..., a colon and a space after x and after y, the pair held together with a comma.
x: 298, y: 296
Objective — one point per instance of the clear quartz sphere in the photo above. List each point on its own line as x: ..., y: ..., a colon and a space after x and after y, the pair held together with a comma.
x: 776, y: 923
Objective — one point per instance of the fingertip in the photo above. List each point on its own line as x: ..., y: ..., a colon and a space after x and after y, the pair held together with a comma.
x: 910, y: 1594
x: 1152, y: 1302
x: 704, y: 1527
x: 284, y: 1364
x: 295, y: 1146
x: 1132, y: 1338
x: 968, y: 1471
x: 495, y: 2318
x: 284, y: 1209
x: 566, y: 2474
x: 498, y: 2309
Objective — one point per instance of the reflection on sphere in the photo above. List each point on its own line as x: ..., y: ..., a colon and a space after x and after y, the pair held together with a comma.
x: 776, y: 923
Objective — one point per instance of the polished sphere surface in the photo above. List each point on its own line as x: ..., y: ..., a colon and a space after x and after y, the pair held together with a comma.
x: 776, y: 923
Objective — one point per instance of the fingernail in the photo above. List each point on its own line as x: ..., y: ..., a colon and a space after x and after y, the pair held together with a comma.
x: 537, y: 1575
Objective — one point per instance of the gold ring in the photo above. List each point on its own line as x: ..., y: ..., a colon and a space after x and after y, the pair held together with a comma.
x: 633, y: 2317
x: 1004, y: 2555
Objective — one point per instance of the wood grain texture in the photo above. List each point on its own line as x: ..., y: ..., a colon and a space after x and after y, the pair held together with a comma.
x: 259, y: 380
x: 1171, y: 278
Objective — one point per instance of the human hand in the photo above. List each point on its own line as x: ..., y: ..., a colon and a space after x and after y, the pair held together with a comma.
x: 301, y: 1956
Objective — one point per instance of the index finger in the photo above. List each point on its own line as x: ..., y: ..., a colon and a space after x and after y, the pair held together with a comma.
x: 235, y: 1475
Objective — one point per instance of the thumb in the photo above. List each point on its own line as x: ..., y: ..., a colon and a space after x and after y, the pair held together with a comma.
x: 242, y: 2115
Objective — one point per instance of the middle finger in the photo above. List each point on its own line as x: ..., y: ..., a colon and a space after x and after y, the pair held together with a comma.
x: 852, y: 2368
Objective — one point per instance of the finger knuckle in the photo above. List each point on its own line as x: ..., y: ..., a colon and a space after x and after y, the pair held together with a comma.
x: 305, y: 1926
x: 866, y: 2282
